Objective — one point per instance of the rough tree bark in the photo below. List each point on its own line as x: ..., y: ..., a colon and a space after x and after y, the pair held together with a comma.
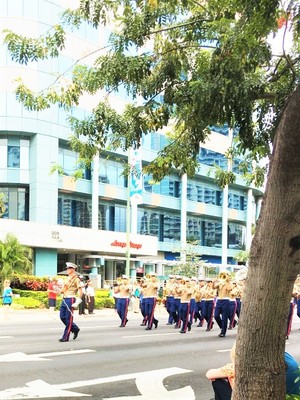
x: 273, y: 266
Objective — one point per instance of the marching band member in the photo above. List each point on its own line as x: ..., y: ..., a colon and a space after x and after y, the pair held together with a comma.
x: 186, y: 290
x: 150, y: 293
x: 170, y: 298
x: 233, y: 306
x: 194, y: 282
x: 71, y: 289
x: 142, y: 302
x: 223, y: 303
x: 124, y: 290
x: 202, y: 301
x: 176, y: 302
x: 210, y: 301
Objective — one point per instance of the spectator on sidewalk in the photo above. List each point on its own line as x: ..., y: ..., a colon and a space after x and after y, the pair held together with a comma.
x: 82, y: 305
x: 7, y: 296
x: 90, y: 296
x: 53, y: 291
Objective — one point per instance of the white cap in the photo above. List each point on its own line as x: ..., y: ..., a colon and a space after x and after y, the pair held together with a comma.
x: 71, y: 265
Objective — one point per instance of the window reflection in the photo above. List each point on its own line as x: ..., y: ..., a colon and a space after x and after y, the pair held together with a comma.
x: 14, y: 203
x: 13, y: 156
x: 210, y: 157
x: 166, y: 187
x: 74, y: 212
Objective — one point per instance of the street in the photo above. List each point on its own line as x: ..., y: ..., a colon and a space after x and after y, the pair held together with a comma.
x: 108, y: 362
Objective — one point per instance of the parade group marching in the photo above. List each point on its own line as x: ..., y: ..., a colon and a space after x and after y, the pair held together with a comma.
x: 189, y: 301
x: 199, y: 301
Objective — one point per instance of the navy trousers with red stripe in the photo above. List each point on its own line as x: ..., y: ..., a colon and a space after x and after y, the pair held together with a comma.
x: 66, y: 316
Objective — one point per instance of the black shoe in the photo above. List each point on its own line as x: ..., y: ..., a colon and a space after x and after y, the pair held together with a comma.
x: 126, y: 322
x: 63, y: 340
x: 286, y: 337
x: 207, y: 329
x: 221, y: 335
x: 155, y: 324
x: 76, y: 334
x: 189, y: 326
x: 229, y: 328
x: 121, y: 326
x: 148, y: 328
x: 181, y: 331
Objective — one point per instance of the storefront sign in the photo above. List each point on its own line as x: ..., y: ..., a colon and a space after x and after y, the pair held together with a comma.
x: 123, y: 244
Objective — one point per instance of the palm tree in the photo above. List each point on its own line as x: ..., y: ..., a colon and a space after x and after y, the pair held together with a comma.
x: 14, y: 257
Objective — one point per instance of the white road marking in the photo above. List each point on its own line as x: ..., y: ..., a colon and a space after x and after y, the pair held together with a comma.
x: 18, y: 356
x: 223, y: 351
x: 6, y: 337
x: 149, y: 384
x: 67, y: 352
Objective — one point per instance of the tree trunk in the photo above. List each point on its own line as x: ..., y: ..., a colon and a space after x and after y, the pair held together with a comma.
x: 273, y: 266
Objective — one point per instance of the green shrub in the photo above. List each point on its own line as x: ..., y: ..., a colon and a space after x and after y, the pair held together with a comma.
x: 101, y: 293
x: 25, y: 303
x: 42, y: 297
x: 104, y: 302
x: 39, y: 299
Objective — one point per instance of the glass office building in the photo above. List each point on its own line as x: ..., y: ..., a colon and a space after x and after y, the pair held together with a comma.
x: 84, y: 220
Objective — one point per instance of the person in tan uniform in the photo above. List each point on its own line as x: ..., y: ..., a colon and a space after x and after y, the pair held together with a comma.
x: 124, y: 290
x: 210, y: 295
x: 233, y: 306
x: 71, y: 289
x: 169, y: 290
x: 224, y: 287
x: 176, y: 302
x: 150, y: 293
x: 186, y: 291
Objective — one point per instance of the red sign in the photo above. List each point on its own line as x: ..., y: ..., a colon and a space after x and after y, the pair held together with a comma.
x: 123, y: 245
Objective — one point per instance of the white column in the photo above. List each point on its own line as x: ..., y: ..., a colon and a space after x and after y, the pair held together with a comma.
x: 183, y: 204
x: 249, y: 219
x: 225, y: 225
x: 95, y: 191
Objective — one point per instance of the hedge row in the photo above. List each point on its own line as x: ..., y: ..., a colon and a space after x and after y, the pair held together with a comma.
x: 39, y: 299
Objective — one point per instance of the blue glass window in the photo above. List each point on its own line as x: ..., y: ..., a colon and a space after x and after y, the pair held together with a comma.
x: 120, y: 219
x: 193, y: 229
x: 148, y: 223
x: 210, y: 157
x: 171, y: 228
x: 103, y: 217
x: 14, y: 203
x: 166, y: 187
x: 13, y: 156
x: 74, y: 212
x: 212, y: 233
x: 236, y: 236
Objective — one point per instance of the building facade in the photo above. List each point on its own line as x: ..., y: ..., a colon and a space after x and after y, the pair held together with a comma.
x: 84, y: 220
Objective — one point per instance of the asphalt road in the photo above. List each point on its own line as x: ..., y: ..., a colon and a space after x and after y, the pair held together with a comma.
x: 108, y: 362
